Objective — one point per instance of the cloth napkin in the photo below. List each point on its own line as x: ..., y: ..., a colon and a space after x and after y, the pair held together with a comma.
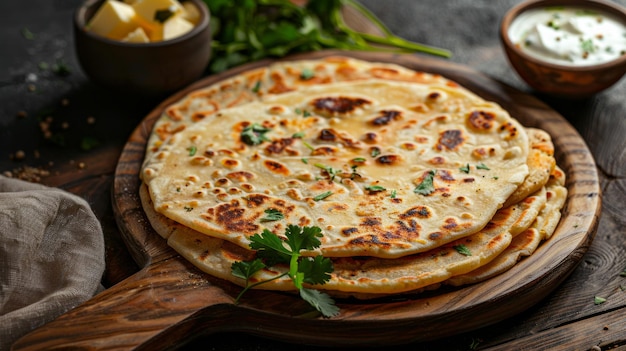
x: 51, y: 256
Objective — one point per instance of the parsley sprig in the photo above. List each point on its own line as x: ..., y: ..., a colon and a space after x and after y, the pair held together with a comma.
x: 271, y: 250
x: 426, y: 187
x: 254, y: 134
x: 272, y: 214
x: 249, y: 30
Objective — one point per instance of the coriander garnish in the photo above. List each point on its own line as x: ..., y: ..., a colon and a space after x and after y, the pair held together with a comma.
x: 254, y: 134
x: 307, y: 74
x: 332, y: 173
x: 426, y: 187
x: 192, y: 150
x: 465, y: 169
x: 308, y: 146
x: 374, y: 188
x: 273, y: 250
x: 393, y: 194
x: 587, y: 45
x: 256, y: 87
x: 597, y: 300
x: 322, y: 196
x: 272, y: 214
x: 304, y: 113
x: 463, y: 250
x: 482, y: 166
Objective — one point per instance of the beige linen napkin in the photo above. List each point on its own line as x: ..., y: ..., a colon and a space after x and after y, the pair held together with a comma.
x: 51, y: 256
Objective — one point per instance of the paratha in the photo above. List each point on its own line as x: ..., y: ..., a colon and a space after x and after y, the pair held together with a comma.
x: 541, y: 163
x: 368, y: 275
x: 274, y: 79
x: 398, y: 178
x: 527, y: 241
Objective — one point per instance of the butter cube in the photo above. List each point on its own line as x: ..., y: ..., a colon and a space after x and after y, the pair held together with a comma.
x: 137, y: 36
x: 175, y: 27
x: 113, y: 20
x: 146, y: 11
x: 191, y: 13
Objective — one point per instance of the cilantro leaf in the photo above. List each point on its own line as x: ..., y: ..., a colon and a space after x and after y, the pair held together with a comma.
x: 597, y: 300
x: 465, y: 169
x: 303, y: 238
x: 375, y: 188
x: 192, y: 150
x: 321, y: 301
x: 307, y: 74
x: 302, y: 270
x: 272, y: 215
x: 587, y: 46
x: 270, y: 247
x: 322, y: 196
x: 247, y: 30
x: 254, y: 134
x: 375, y: 151
x: 257, y: 87
x: 482, y: 166
x: 332, y: 173
x: 246, y: 269
x: 463, y: 250
x: 426, y: 187
x: 316, y: 269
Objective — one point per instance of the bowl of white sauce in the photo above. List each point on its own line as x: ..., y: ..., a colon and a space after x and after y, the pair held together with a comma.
x: 566, y: 48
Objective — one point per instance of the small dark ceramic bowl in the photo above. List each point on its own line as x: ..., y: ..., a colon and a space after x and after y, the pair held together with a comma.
x: 560, y: 80
x: 146, y: 69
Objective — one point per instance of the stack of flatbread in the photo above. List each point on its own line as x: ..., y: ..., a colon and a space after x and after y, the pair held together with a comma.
x: 414, y: 180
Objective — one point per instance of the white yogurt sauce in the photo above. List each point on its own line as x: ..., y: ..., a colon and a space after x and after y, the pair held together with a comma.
x: 569, y: 36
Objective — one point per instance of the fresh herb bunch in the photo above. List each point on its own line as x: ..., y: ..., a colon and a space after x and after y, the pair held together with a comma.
x: 272, y: 250
x: 249, y: 30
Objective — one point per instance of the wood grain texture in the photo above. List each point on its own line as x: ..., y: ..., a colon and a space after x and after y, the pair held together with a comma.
x: 169, y: 301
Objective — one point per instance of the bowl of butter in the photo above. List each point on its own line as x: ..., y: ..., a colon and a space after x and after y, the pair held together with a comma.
x: 143, y: 47
x: 566, y: 48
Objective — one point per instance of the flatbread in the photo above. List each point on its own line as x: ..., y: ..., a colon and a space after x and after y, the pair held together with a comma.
x: 224, y: 188
x: 275, y: 79
x: 541, y: 163
x: 526, y: 242
x: 367, y: 275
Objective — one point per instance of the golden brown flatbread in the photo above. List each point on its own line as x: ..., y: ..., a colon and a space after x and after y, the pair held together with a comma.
x: 541, y: 162
x: 275, y: 79
x: 369, y: 275
x: 380, y: 178
x: 398, y: 168
x: 526, y: 242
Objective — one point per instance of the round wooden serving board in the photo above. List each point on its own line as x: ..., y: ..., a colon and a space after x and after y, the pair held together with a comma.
x: 169, y: 301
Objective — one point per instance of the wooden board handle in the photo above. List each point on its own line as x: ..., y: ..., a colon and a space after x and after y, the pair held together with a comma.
x: 137, y: 313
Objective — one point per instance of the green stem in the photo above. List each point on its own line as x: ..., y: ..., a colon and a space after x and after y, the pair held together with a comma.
x: 389, y: 38
x: 370, y: 16
x: 251, y: 286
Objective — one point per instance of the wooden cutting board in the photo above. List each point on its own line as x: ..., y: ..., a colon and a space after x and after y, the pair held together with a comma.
x: 169, y: 301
